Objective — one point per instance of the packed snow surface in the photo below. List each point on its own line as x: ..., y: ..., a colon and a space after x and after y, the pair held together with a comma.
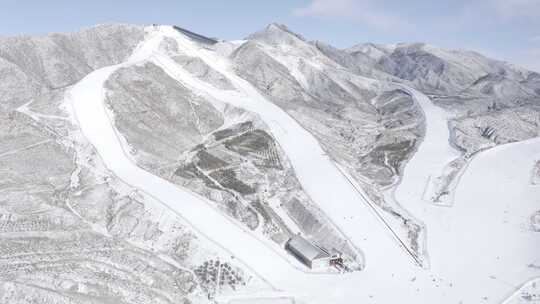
x: 476, y: 248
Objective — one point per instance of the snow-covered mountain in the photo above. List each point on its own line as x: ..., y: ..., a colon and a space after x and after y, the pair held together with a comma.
x: 154, y: 165
x: 447, y: 72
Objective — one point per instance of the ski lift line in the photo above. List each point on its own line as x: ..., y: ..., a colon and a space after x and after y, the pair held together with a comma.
x: 378, y: 215
x: 368, y: 203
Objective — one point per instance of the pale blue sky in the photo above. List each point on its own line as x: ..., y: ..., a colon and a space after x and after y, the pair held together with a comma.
x: 504, y: 29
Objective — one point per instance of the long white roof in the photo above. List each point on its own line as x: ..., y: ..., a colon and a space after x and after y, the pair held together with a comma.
x: 306, y: 248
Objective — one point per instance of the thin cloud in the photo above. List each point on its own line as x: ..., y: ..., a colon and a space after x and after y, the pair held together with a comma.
x: 361, y: 11
x: 511, y: 9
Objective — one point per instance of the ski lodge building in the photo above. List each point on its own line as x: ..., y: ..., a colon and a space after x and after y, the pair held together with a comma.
x: 311, y: 255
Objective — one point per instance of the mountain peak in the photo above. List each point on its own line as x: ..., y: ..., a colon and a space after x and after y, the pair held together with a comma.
x: 277, y: 26
x: 276, y: 33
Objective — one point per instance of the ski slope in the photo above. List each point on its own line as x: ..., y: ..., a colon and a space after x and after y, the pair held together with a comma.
x: 87, y: 98
x: 434, y: 152
x: 477, y: 248
x: 483, y: 240
x: 319, y: 177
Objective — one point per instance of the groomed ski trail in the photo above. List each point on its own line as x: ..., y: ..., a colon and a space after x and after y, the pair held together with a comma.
x: 320, y: 178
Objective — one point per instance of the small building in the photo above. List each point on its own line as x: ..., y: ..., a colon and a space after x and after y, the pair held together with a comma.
x: 310, y: 254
